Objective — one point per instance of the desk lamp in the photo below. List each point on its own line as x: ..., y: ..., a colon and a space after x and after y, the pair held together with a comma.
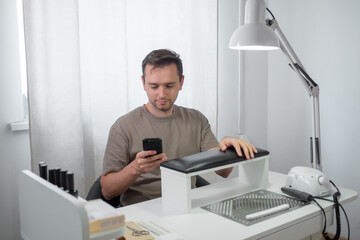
x: 260, y: 34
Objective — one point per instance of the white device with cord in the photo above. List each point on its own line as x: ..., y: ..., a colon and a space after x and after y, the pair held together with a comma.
x: 309, y: 180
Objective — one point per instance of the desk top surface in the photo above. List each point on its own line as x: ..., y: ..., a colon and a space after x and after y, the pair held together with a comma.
x: 201, y: 224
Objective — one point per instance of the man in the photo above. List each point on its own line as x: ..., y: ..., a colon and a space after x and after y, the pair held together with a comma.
x: 134, y: 173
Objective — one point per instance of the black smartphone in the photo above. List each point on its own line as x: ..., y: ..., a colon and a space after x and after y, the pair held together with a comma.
x: 152, y: 144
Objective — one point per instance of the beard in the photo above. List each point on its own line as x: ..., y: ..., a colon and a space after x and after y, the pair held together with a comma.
x: 164, y: 107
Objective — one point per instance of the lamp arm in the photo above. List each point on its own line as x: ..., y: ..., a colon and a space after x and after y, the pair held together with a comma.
x: 295, y: 63
x: 311, y: 87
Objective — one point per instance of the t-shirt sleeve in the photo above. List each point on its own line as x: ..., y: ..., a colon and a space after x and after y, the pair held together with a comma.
x: 208, y: 139
x: 116, y: 152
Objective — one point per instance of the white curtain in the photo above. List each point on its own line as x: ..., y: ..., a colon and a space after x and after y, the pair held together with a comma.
x: 84, y: 67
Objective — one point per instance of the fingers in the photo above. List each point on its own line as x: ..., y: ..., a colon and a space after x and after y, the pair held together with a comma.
x: 248, y: 149
x: 222, y: 146
x: 144, y: 154
x: 240, y: 146
x: 145, y: 161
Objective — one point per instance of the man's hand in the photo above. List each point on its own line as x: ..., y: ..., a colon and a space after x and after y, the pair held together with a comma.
x: 147, y: 161
x: 115, y: 183
x: 239, y: 145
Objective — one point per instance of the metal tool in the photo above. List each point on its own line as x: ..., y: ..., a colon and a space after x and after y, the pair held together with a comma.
x: 138, y: 232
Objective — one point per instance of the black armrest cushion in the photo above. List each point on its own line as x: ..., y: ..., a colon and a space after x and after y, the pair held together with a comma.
x: 205, y: 160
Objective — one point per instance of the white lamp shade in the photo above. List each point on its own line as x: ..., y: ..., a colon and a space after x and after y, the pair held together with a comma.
x: 254, y: 34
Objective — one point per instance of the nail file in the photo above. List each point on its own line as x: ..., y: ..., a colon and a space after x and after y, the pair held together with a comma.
x: 267, y: 211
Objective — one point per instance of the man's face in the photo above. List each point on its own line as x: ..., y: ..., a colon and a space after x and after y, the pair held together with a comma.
x: 162, y: 86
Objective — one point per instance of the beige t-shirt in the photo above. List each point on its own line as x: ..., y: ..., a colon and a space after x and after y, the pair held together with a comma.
x: 185, y: 132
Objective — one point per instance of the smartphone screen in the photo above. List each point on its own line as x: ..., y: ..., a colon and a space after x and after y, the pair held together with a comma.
x: 152, y: 144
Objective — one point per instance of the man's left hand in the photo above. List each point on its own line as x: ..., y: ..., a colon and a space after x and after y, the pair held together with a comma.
x: 239, y: 145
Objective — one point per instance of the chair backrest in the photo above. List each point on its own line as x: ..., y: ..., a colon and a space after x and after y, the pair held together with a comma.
x: 200, y: 181
x: 95, y: 193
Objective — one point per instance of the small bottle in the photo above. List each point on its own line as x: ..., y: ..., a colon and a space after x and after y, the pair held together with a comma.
x: 63, y: 179
x: 70, y: 184
x: 52, y: 175
x: 57, y: 176
x: 43, y: 170
x: 41, y: 163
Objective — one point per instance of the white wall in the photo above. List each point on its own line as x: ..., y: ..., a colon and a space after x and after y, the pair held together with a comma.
x: 14, y: 146
x: 325, y: 34
x: 255, y: 97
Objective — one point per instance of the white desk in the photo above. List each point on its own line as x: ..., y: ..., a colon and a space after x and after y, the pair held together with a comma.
x: 201, y: 224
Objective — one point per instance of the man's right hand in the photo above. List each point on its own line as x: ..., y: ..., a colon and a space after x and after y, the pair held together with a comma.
x: 115, y: 183
x: 147, y: 161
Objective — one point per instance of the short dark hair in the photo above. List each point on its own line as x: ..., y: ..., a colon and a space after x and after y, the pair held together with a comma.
x: 163, y: 57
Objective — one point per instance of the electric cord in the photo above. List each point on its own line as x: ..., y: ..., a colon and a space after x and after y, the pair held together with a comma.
x: 347, y: 220
x: 303, y: 196
x: 323, y: 211
x: 270, y: 13
x: 342, y: 208
x: 336, y: 195
x: 337, y: 189
x: 337, y: 214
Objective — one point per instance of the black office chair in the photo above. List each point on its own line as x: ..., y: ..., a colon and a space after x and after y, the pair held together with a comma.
x: 95, y: 191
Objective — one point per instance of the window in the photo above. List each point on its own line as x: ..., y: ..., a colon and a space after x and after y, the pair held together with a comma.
x: 22, y: 58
